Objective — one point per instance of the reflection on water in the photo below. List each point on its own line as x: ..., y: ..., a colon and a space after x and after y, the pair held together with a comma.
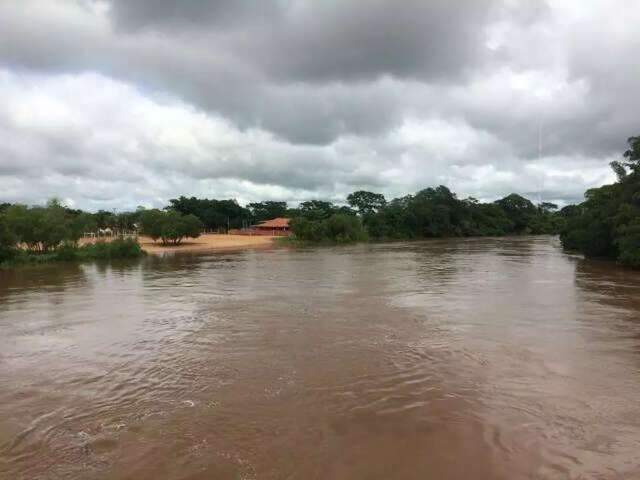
x: 476, y: 358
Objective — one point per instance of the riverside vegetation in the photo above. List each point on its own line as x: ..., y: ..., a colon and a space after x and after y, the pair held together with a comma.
x: 52, y: 233
x: 606, y: 224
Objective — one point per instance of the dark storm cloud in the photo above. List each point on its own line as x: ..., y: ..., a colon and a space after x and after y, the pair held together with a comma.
x: 345, y: 41
x: 283, y: 65
x: 328, y: 41
x: 167, y: 14
x: 341, y: 41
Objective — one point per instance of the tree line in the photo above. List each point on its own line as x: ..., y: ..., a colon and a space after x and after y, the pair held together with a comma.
x: 52, y: 232
x: 430, y: 213
x: 607, y: 223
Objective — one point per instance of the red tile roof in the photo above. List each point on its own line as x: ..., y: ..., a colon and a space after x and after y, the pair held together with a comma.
x: 274, y: 223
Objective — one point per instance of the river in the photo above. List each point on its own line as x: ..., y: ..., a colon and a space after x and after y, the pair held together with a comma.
x: 446, y: 359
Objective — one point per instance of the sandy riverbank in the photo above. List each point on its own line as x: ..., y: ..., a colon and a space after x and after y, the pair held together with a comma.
x: 207, y: 242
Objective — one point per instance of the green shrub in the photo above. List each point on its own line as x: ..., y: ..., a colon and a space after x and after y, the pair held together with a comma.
x: 116, y: 249
x: 309, y: 230
x: 125, y: 248
x: 338, y: 228
x: 66, y: 252
x: 343, y: 228
x: 119, y: 248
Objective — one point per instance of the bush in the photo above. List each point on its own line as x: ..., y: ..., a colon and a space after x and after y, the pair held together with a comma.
x: 67, y: 252
x: 338, y: 228
x: 125, y: 248
x: 116, y: 249
x: 309, y: 230
x: 343, y: 228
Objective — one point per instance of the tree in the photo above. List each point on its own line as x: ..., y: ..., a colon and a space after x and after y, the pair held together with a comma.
x: 547, y: 207
x: 486, y: 219
x: 316, y: 209
x: 607, y: 223
x: 619, y: 169
x: 267, y: 210
x: 628, y: 243
x: 105, y: 219
x: 632, y: 154
x: 214, y: 214
x: 151, y: 223
x: 41, y: 229
x: 519, y: 210
x: 170, y: 227
x: 80, y: 224
x: 176, y: 227
x: 365, y: 202
x: 396, y: 220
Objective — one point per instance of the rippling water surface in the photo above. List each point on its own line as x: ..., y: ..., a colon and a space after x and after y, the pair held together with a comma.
x: 457, y: 359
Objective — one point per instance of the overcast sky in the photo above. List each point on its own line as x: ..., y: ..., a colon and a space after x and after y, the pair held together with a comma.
x: 114, y: 104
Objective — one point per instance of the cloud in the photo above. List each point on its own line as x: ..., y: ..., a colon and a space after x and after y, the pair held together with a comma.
x: 320, y: 41
x: 115, y: 103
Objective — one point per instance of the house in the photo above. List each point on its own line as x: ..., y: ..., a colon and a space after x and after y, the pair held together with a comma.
x: 275, y: 226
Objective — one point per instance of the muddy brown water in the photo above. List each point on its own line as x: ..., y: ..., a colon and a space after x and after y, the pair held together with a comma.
x: 456, y: 359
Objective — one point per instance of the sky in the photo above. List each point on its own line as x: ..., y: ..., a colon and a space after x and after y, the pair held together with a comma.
x: 119, y: 103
